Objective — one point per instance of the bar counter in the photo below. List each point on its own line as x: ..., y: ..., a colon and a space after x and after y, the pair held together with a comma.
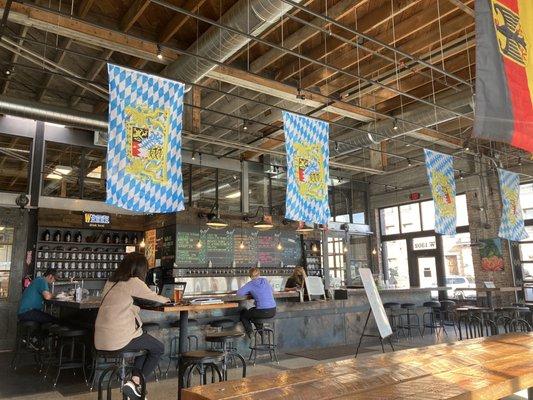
x: 298, y: 325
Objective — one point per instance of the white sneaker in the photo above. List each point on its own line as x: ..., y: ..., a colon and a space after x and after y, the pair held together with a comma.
x: 131, y: 390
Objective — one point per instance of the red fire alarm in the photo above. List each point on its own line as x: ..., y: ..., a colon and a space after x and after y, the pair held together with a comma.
x: 414, y: 196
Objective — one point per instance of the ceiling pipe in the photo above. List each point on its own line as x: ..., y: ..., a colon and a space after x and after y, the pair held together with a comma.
x: 59, y: 115
x: 252, y: 16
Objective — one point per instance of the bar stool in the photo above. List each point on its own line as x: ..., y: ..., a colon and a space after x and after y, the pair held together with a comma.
x: 511, y: 318
x: 70, y: 339
x: 201, y: 361
x: 223, y: 323
x: 434, y: 323
x: 447, y: 314
x: 116, y: 364
x: 263, y: 340
x: 26, y: 335
x: 410, y: 314
x: 392, y: 308
x: 174, y: 345
x: 225, y: 341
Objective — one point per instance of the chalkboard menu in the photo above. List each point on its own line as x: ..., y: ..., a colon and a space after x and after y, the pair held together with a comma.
x: 245, y: 247
x: 165, y: 247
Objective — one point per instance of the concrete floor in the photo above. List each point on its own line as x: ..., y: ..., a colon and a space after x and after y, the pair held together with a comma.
x: 27, y: 383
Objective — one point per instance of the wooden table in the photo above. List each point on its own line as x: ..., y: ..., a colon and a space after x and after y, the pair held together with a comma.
x: 489, y: 291
x: 184, y: 326
x: 477, y: 369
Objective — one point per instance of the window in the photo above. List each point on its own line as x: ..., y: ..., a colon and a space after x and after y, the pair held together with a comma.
x: 458, y: 265
x: 410, y: 217
x: 428, y: 215
x: 95, y: 174
x: 526, y: 254
x: 61, y: 170
x: 526, y: 200
x: 390, y: 224
x: 396, y: 264
x: 462, y: 211
x: 6, y: 248
x: 424, y: 243
x: 15, y: 158
x: 337, y: 264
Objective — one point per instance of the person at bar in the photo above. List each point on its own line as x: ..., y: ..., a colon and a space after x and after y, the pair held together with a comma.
x: 262, y: 293
x: 118, y: 325
x: 32, y: 301
x: 296, y: 281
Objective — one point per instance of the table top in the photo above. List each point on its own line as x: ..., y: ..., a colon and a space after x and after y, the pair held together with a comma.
x: 191, y: 307
x: 86, y: 304
x: 495, y: 289
x: 486, y: 368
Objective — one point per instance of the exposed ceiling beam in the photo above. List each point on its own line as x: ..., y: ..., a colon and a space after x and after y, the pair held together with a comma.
x: 95, y: 69
x: 84, y: 7
x: 23, y: 32
x: 178, y: 20
x: 133, y: 14
x: 459, y: 4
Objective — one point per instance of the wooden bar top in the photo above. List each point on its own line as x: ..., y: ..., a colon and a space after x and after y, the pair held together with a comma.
x: 477, y: 369
x: 191, y: 307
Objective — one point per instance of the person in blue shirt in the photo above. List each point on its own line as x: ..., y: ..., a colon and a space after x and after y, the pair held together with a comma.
x: 32, y: 301
x: 262, y: 293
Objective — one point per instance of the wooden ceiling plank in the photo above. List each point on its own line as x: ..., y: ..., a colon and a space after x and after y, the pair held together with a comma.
x: 402, y: 30
x: 366, y: 24
x: 133, y: 14
x: 459, y: 4
x: 82, y: 11
x: 22, y: 33
x: 179, y: 20
x: 303, y: 34
x: 95, y: 69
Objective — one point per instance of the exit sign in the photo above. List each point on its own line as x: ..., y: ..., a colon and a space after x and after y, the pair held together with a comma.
x: 414, y: 196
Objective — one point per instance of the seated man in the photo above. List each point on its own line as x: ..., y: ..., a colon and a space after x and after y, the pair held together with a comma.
x: 32, y: 301
x: 262, y: 293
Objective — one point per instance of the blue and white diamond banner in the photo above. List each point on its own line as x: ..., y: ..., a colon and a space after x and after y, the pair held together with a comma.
x: 306, y: 145
x: 144, y: 147
x: 439, y: 168
x: 512, y: 223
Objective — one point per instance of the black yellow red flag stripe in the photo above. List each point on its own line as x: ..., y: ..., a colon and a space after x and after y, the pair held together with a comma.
x: 504, y: 72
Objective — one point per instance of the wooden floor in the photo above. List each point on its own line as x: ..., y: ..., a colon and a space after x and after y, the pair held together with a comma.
x: 489, y: 368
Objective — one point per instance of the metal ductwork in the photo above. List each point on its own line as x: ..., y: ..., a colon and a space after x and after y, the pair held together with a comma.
x: 49, y: 113
x: 253, y: 16
x: 422, y: 116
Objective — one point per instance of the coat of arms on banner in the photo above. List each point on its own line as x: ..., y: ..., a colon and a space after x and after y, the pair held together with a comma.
x: 147, y: 132
x: 509, y: 32
x: 439, y: 169
x: 309, y: 165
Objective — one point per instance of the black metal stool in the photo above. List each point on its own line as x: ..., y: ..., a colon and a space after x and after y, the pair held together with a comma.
x: 225, y: 343
x: 430, y: 319
x: 392, y: 308
x: 263, y: 340
x: 447, y: 314
x: 410, y: 314
x: 201, y: 361
x: 26, y: 335
x: 511, y: 318
x: 174, y: 345
x: 71, y: 340
x: 224, y: 323
x: 116, y: 365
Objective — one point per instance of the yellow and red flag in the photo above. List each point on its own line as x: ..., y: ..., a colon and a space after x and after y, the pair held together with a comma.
x: 504, y: 72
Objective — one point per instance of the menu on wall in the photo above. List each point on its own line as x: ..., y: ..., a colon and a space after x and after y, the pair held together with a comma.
x: 244, y: 246
x: 166, y: 246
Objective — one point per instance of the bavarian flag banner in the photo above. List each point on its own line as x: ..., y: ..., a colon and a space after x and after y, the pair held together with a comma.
x: 504, y: 72
x: 439, y: 169
x: 306, y: 145
x: 144, y: 147
x: 512, y: 223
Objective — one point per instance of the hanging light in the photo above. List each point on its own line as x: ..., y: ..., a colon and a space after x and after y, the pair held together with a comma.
x: 193, y: 157
x: 142, y: 245
x: 409, y: 162
x: 395, y: 124
x: 199, y: 244
x: 345, y: 249
x: 159, y: 53
x: 264, y: 223
x: 279, y: 246
x: 374, y: 251
x: 241, y: 245
x: 304, y: 228
x: 244, y: 125
x: 519, y: 160
x: 314, y: 247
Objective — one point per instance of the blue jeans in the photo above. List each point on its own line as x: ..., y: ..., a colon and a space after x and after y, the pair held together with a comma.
x: 37, y: 316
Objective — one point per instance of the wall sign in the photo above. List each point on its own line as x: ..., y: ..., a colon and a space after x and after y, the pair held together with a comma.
x: 94, y: 220
x: 150, y: 240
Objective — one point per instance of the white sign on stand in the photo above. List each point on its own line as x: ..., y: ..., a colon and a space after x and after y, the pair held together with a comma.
x: 382, y: 321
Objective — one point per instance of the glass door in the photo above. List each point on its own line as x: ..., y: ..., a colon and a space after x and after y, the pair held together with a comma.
x: 427, y: 273
x: 6, y: 253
